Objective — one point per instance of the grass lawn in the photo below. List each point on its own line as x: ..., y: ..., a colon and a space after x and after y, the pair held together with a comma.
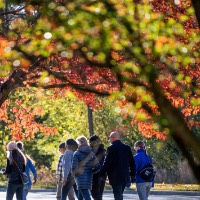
x: 174, y: 187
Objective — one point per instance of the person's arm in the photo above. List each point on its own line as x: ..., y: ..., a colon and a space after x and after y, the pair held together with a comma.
x: 107, y: 161
x: 131, y: 163
x: 8, y: 168
x: 66, y: 164
x: 59, y: 169
x: 75, y: 165
x: 33, y: 170
x: 95, y: 164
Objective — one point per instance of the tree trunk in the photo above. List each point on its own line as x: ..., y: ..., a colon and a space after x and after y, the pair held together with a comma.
x: 185, y: 139
x: 196, y: 5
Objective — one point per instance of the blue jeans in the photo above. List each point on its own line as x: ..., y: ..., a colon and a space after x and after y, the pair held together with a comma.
x: 26, y: 190
x: 118, y: 191
x: 143, y: 190
x: 14, y: 188
x: 66, y: 188
x: 84, y: 194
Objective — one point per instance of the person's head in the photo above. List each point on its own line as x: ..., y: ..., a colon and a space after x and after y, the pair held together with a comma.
x: 94, y: 141
x: 62, y: 148
x: 71, y: 144
x: 114, y: 136
x: 13, y: 152
x: 139, y: 145
x: 20, y: 145
x: 11, y: 146
x: 82, y: 141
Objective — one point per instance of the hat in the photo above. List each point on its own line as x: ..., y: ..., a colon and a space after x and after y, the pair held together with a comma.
x: 70, y: 142
x: 62, y: 145
x: 11, y: 146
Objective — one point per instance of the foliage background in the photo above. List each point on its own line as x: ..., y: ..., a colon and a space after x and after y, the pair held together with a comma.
x: 69, y: 116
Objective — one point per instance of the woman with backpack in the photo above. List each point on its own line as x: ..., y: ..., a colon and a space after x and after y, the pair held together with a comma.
x: 16, y: 162
x: 144, y: 171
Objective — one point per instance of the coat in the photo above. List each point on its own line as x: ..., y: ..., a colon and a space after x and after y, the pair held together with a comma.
x: 84, y: 177
x: 100, y: 154
x: 141, y: 159
x: 118, y: 163
x: 13, y: 172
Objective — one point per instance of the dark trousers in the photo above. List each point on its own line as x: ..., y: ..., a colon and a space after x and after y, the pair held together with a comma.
x: 118, y: 191
x: 65, y: 188
x: 14, y: 188
x: 97, y: 189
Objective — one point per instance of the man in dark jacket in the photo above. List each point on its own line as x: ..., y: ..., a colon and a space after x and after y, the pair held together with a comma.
x: 119, y: 165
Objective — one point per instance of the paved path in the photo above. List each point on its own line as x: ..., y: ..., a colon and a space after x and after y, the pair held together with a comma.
x: 155, y: 195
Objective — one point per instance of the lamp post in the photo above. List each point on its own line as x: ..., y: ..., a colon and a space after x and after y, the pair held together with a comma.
x: 90, y: 121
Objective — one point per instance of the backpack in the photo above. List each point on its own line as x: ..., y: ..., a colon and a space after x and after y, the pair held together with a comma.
x: 148, y: 172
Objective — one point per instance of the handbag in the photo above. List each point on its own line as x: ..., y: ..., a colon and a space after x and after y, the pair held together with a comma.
x: 23, y: 175
x: 148, y: 172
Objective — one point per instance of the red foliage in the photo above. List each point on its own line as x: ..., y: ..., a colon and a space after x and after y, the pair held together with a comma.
x: 24, y: 125
x: 83, y: 78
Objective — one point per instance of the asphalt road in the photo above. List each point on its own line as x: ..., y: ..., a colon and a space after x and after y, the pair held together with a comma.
x: 50, y: 195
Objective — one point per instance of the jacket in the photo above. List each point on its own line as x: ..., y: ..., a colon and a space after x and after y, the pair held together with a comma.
x: 141, y: 159
x: 13, y: 172
x: 67, y: 163
x: 30, y: 167
x: 118, y: 163
x: 84, y: 177
x: 100, y: 154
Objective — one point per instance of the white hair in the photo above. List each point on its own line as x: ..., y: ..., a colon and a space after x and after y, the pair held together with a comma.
x: 11, y: 146
x: 82, y: 140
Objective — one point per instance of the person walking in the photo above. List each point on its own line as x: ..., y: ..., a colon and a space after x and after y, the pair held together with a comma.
x: 16, y: 162
x: 59, y: 179
x: 59, y: 171
x: 84, y: 164
x: 29, y: 167
x: 67, y: 177
x: 119, y: 165
x: 141, y: 160
x: 98, y: 182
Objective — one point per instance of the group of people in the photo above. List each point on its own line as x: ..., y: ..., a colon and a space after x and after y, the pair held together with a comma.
x: 17, y: 163
x: 78, y: 169
x: 83, y: 167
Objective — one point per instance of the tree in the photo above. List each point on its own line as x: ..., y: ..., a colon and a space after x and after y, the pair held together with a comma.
x: 129, y: 49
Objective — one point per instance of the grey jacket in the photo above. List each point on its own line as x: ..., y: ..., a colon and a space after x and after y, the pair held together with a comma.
x: 67, y: 163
